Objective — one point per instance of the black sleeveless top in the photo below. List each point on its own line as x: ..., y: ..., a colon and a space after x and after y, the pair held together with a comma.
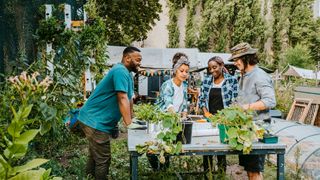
x: 215, y: 100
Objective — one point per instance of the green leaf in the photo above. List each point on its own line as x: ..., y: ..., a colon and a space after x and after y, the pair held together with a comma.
x: 4, y: 163
x: 176, y: 130
x: 15, y: 128
x: 46, y: 175
x: 57, y: 178
x: 15, y: 115
x: 16, y: 151
x: 45, y: 127
x: 29, y: 165
x: 48, y: 112
x: 233, y: 142
x: 8, y: 142
x: 239, y: 147
x: 32, y: 174
x: 167, y: 123
x: 160, y: 135
x: 26, y: 111
x: 232, y: 132
x: 173, y: 137
x: 26, y: 137
x: 230, y: 115
x: 178, y: 148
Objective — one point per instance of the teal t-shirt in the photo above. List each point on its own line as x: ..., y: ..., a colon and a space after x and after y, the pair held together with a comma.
x: 101, y: 111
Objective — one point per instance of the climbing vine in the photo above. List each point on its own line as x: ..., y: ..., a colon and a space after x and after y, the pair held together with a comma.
x: 173, y: 29
x: 191, y: 26
x: 230, y: 23
x: 79, y: 50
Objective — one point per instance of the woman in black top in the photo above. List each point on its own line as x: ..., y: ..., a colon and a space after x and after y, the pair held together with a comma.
x: 218, y: 91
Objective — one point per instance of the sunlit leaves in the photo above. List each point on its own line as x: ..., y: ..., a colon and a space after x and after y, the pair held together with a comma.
x: 240, y: 129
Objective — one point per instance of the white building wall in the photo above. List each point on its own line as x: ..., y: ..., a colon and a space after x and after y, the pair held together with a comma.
x: 316, y: 9
x: 158, y: 37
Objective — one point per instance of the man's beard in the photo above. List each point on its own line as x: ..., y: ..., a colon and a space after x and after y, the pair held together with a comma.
x: 135, y: 69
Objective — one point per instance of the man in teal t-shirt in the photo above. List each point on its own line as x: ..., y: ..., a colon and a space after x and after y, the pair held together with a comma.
x: 101, y: 113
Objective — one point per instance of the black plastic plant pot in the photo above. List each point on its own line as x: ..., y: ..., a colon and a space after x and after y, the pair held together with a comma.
x: 185, y: 135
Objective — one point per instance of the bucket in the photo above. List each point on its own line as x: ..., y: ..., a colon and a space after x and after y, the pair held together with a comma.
x: 222, y: 133
x: 185, y: 135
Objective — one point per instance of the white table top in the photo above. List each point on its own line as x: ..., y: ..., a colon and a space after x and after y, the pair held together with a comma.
x: 136, y: 137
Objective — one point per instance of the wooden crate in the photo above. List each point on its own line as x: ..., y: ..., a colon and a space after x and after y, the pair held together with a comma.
x: 313, y: 112
x: 299, y: 109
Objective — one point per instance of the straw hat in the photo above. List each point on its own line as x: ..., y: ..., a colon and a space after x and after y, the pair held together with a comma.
x: 241, y: 50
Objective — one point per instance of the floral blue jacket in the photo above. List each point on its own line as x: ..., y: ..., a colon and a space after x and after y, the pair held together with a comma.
x: 166, y: 96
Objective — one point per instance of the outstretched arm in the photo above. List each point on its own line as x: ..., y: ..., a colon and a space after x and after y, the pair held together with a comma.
x: 124, y: 106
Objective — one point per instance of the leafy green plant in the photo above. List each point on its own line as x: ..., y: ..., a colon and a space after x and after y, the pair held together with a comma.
x: 240, y: 129
x: 166, y: 141
x: 30, y: 89
x: 147, y: 112
x: 50, y: 30
x: 27, y: 93
x: 14, y: 146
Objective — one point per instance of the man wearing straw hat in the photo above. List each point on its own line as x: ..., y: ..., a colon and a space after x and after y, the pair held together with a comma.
x: 256, y: 93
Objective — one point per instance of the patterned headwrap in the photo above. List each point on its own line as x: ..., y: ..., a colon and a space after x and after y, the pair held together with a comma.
x: 181, y: 61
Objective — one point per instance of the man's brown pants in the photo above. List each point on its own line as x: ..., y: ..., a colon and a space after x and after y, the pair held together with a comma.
x: 99, y: 152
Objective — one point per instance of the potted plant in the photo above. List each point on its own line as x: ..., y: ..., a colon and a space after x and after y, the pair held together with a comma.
x: 148, y: 113
x: 236, y: 127
x: 169, y: 127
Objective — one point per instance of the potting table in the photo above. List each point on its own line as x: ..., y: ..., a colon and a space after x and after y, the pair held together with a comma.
x: 206, y: 145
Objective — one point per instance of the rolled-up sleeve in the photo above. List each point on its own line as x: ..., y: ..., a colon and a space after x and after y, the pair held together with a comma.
x: 266, y: 92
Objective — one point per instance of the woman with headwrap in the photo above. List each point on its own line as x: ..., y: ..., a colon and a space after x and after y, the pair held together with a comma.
x: 173, y: 97
x: 218, y: 91
x: 173, y: 93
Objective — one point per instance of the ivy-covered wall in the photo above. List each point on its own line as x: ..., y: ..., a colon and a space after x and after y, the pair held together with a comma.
x: 273, y: 27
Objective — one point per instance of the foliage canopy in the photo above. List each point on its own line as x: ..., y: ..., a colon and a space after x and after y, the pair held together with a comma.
x: 128, y: 21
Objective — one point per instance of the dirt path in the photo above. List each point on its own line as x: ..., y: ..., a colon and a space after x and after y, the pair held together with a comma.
x: 236, y: 172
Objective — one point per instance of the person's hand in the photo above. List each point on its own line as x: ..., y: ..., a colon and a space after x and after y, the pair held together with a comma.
x: 136, y: 126
x: 171, y: 110
x: 246, y: 107
x: 207, y: 114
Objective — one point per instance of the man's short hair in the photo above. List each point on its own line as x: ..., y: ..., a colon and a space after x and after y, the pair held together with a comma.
x: 130, y: 49
x: 251, y: 59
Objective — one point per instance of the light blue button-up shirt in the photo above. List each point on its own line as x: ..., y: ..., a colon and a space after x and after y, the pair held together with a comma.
x: 257, y: 85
